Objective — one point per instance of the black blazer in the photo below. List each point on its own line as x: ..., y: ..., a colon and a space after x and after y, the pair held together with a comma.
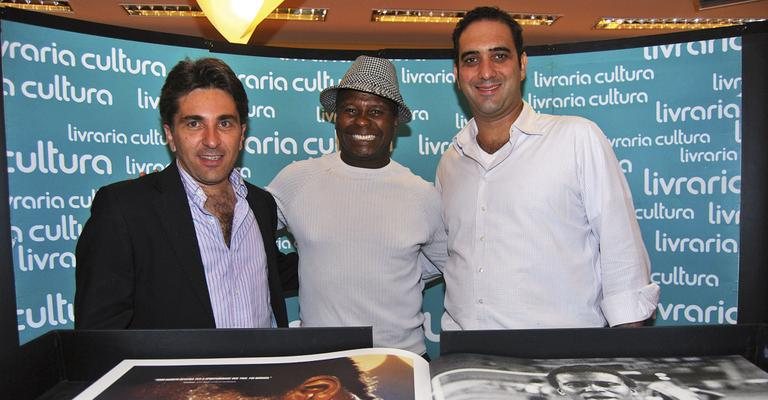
x: 139, y: 264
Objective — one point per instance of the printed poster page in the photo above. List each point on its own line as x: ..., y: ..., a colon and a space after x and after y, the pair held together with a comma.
x: 355, y: 374
x: 473, y: 376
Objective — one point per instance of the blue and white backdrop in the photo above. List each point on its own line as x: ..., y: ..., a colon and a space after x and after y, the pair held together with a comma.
x: 81, y: 112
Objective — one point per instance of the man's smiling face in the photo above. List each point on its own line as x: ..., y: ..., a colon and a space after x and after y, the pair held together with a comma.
x: 488, y: 71
x: 365, y: 126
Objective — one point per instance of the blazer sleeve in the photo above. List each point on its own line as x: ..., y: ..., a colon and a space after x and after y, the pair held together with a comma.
x: 281, y: 270
x: 104, y: 276
x: 288, y: 265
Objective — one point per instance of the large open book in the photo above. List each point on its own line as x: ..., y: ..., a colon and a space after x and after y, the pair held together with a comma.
x: 394, y: 374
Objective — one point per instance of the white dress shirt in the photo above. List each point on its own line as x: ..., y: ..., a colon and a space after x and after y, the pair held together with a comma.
x: 542, y: 233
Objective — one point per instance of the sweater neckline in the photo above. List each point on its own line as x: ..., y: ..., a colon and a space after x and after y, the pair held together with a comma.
x: 362, y: 172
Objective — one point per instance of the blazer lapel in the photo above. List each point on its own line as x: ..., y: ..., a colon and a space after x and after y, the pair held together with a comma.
x: 260, y: 211
x: 176, y: 219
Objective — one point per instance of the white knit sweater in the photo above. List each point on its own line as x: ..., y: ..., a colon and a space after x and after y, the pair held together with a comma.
x: 359, y: 233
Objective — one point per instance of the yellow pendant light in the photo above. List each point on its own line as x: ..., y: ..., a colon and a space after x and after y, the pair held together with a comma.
x: 237, y: 19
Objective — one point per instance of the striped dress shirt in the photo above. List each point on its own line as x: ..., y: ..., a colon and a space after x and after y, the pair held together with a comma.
x: 236, y: 275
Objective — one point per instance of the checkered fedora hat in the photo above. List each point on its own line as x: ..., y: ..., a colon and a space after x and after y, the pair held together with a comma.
x: 371, y: 75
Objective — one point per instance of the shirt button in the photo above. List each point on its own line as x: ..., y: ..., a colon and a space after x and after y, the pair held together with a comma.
x: 482, y: 208
x: 479, y: 301
x: 481, y: 270
x: 482, y: 238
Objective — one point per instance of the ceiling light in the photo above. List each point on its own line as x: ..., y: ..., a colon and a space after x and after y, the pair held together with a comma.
x: 299, y: 14
x: 162, y: 10
x: 38, y: 5
x: 237, y: 19
x: 671, y: 23
x: 451, y: 17
x: 159, y: 10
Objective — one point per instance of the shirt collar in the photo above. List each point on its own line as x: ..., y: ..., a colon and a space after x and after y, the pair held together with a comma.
x: 525, y: 123
x: 196, y: 194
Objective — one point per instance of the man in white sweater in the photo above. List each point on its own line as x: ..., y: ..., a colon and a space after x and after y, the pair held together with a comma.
x: 369, y: 232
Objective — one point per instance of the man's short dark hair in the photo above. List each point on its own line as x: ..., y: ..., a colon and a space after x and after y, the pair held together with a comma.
x: 582, y: 368
x: 491, y: 14
x: 204, y: 73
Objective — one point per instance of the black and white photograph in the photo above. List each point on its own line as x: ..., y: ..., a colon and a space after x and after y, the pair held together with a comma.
x: 474, y: 376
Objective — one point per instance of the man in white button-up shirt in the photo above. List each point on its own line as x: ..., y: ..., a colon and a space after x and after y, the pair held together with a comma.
x: 541, y: 226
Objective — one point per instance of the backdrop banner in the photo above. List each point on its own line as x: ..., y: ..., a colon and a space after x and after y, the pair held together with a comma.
x: 81, y: 112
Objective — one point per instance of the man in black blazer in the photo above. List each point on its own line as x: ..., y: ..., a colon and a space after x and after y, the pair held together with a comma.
x: 192, y: 246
